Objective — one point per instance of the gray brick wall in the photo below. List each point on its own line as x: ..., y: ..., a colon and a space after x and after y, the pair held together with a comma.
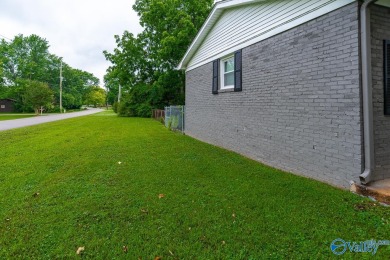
x: 380, y: 30
x: 300, y: 105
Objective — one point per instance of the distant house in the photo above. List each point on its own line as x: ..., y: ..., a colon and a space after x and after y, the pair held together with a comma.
x: 301, y: 85
x: 7, y: 105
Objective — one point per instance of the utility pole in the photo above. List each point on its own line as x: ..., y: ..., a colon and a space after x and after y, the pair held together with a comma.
x: 61, y: 88
x: 119, y: 94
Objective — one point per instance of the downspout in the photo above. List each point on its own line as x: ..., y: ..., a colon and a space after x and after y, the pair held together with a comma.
x: 368, y: 115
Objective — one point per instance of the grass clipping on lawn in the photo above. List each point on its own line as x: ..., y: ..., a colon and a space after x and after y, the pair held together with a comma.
x: 107, y: 187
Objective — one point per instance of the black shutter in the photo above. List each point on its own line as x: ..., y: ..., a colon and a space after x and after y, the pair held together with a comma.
x: 215, y: 76
x: 238, y: 71
x: 386, y: 69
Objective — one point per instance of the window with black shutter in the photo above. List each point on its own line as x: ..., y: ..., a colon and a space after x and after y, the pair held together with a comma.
x: 386, y: 70
x: 215, y: 77
x: 238, y: 71
x: 227, y: 73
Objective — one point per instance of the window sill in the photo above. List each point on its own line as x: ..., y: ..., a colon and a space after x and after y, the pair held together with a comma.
x: 226, y: 90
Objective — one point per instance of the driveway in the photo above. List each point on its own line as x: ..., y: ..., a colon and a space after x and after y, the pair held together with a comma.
x: 17, y: 123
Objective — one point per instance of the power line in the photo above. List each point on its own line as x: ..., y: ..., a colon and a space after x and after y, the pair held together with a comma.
x: 5, y: 38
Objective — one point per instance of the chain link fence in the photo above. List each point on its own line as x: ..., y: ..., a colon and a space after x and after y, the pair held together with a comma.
x: 174, y: 118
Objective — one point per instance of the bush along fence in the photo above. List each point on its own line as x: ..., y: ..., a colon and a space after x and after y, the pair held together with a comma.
x: 174, y: 118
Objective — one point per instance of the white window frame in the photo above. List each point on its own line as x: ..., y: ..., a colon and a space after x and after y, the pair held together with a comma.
x: 222, y: 71
x: 2, y: 106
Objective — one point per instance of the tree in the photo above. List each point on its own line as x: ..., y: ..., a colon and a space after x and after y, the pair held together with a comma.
x: 146, y: 63
x: 28, y: 58
x: 96, y: 96
x: 170, y: 26
x: 37, y: 95
x: 76, y: 85
x: 25, y: 57
x: 3, y: 88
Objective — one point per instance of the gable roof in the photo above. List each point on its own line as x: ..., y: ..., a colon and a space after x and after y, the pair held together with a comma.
x: 203, y: 49
x: 216, y: 12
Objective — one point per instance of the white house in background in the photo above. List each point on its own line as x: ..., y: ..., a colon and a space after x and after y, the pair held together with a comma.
x: 300, y: 85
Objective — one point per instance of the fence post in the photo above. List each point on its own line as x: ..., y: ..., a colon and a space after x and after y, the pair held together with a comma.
x: 182, y: 119
x: 166, y: 116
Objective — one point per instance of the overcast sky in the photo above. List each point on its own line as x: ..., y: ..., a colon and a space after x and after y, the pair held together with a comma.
x: 77, y: 30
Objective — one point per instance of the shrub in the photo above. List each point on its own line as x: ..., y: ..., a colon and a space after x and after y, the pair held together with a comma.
x: 130, y: 107
x: 125, y: 109
x: 144, y: 110
x: 53, y: 109
x: 115, y: 107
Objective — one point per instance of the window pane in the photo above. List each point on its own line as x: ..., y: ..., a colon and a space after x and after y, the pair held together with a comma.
x: 229, y: 65
x: 229, y: 79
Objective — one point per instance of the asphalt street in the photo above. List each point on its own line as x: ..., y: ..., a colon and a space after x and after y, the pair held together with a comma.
x: 23, y: 122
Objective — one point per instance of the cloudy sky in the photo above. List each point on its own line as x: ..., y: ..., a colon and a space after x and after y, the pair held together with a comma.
x: 77, y: 30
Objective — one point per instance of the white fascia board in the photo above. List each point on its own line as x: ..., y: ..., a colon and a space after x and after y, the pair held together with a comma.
x: 287, y: 26
x: 210, y: 21
x: 383, y: 3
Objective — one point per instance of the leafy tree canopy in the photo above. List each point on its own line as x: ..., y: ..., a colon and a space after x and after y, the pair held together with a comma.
x: 96, y: 96
x: 144, y: 65
x: 28, y: 58
x: 37, y: 95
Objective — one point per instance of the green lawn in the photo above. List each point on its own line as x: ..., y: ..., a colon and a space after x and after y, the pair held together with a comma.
x: 95, y: 182
x: 14, y: 116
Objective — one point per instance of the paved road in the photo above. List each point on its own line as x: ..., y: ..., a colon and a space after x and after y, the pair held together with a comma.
x: 17, y: 123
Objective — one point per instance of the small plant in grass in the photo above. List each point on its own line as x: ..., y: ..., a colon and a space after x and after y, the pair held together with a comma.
x: 173, y: 122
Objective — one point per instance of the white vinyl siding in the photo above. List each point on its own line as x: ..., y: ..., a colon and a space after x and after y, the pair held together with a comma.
x: 241, y: 26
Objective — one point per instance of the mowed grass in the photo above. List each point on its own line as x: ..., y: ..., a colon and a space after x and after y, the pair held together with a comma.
x: 127, y: 188
x: 14, y: 116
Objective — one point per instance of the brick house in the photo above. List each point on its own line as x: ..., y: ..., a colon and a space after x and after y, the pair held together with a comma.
x: 302, y: 86
x: 7, y: 105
